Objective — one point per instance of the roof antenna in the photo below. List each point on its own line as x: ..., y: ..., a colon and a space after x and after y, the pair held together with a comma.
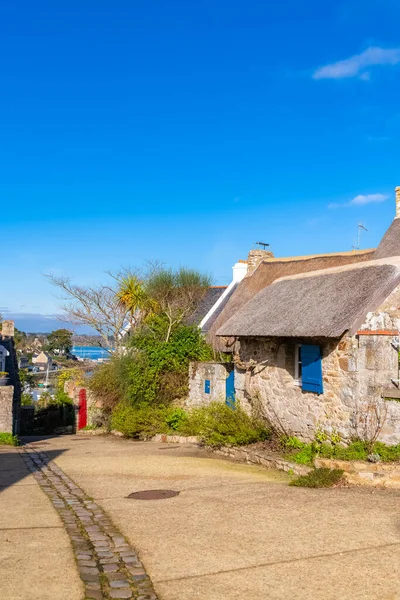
x: 263, y: 244
x: 359, y: 227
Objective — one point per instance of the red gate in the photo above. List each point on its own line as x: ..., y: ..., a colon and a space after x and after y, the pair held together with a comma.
x: 82, y: 410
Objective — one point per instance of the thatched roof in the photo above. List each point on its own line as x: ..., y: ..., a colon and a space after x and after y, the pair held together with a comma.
x: 269, y: 271
x: 321, y: 304
x: 221, y: 306
x: 211, y: 296
x: 390, y: 243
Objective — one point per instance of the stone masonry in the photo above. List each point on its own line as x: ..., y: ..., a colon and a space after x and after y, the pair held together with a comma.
x: 6, y: 409
x: 10, y: 395
x: 216, y: 374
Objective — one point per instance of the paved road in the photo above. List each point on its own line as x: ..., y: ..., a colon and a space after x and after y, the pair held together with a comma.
x: 36, y: 560
x: 237, y: 532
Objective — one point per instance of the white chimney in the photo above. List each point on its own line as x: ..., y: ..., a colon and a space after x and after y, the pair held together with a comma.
x: 239, y: 271
x: 397, y: 190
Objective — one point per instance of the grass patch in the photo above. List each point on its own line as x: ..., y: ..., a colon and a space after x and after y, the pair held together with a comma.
x: 304, y: 454
x: 7, y: 439
x: 319, y: 478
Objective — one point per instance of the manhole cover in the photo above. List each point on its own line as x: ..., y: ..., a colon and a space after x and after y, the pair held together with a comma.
x: 153, y: 494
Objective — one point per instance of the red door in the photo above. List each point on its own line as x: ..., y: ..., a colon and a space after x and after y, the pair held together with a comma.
x: 82, y: 410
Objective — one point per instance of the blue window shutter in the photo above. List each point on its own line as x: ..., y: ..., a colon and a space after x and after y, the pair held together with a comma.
x: 207, y: 386
x: 311, y: 380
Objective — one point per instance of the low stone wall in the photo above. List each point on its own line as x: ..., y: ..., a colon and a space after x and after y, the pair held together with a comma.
x: 386, y: 475
x: 98, y: 431
x: 176, y: 439
x: 260, y: 458
x: 6, y: 409
x: 245, y: 454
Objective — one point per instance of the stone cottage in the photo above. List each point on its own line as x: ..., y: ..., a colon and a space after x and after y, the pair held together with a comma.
x: 215, y: 381
x: 317, y: 350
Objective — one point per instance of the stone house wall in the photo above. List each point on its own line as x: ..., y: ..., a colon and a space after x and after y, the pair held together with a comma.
x: 216, y: 374
x: 360, y: 375
x: 357, y: 373
x: 265, y: 382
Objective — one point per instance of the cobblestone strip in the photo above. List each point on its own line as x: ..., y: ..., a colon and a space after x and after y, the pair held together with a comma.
x: 107, y: 564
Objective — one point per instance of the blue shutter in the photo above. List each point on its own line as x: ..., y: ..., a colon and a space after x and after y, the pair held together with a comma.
x: 311, y: 380
x: 207, y: 386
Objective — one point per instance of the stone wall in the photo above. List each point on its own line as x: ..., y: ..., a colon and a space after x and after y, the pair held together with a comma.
x: 216, y: 374
x: 14, y: 389
x: 356, y: 372
x: 6, y: 409
x: 268, y: 386
x: 386, y: 475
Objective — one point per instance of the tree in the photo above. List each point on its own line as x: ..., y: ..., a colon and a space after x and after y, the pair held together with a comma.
x: 95, y: 306
x: 108, y: 309
x: 177, y: 293
x: 133, y: 296
x: 61, y: 340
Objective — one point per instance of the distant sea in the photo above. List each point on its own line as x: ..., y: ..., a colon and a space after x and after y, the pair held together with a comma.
x: 90, y: 352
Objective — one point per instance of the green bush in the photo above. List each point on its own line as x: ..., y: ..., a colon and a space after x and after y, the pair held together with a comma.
x: 387, y: 453
x: 305, y: 456
x: 26, y: 399
x: 140, y: 422
x: 216, y: 424
x: 61, y: 397
x: 319, y: 478
x: 291, y: 443
x: 151, y: 370
x: 220, y: 425
x: 175, y: 418
x: 7, y: 439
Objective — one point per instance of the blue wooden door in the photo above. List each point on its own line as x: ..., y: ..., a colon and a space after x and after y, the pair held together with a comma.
x: 230, y: 389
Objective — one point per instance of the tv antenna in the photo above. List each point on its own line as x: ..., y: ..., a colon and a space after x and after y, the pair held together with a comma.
x: 262, y: 244
x: 360, y: 226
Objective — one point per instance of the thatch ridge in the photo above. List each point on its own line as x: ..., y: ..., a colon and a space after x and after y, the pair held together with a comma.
x: 269, y: 271
x: 324, y: 303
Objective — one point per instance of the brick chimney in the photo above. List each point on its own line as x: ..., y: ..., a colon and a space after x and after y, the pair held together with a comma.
x: 397, y: 190
x: 7, y: 329
x: 255, y: 257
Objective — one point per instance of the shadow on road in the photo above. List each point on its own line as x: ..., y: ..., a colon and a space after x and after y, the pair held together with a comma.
x: 13, y: 469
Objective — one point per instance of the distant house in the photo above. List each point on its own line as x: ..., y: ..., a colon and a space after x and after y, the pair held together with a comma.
x: 23, y: 362
x: 317, y: 349
x: 42, y: 360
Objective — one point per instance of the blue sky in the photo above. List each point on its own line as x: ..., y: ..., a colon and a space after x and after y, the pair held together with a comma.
x: 186, y: 132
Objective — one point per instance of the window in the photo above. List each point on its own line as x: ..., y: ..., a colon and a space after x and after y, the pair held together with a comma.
x: 297, y: 364
x: 207, y: 386
x: 311, y: 368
